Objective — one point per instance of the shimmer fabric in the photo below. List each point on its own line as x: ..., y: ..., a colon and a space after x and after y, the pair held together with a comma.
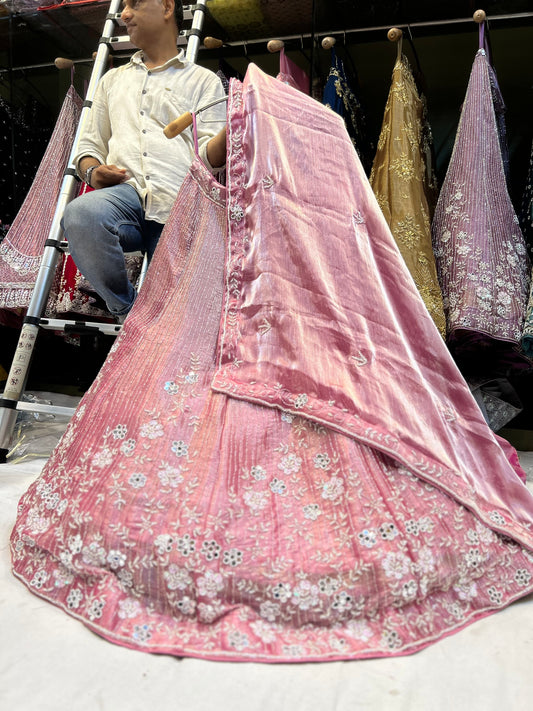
x: 402, y: 179
x: 289, y: 477
x: 481, y: 255
x: 22, y: 248
x: 290, y: 73
x: 526, y: 223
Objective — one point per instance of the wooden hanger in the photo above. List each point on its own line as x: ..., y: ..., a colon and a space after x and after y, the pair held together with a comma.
x: 394, y: 34
x: 275, y: 45
x: 328, y: 42
x: 174, y: 128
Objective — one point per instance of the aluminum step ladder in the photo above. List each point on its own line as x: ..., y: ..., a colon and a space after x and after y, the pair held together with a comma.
x: 111, y: 41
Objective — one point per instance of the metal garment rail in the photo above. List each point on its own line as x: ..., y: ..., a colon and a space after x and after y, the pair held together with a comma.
x: 10, y: 401
x: 376, y: 28
x: 310, y: 35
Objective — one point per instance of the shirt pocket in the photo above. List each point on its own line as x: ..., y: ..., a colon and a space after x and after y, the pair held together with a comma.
x: 167, y: 107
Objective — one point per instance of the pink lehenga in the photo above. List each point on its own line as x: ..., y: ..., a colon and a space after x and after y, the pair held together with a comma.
x: 279, y: 460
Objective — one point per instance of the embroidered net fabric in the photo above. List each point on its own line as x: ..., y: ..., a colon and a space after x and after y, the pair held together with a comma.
x: 22, y: 248
x: 208, y: 504
x: 404, y: 185
x: 481, y: 256
x: 526, y: 223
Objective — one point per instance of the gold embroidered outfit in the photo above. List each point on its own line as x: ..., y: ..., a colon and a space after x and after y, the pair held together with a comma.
x: 404, y: 184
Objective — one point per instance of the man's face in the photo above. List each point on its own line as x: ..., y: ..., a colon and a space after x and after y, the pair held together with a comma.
x: 144, y: 19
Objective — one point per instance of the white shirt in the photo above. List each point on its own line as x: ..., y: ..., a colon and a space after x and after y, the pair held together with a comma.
x: 131, y: 107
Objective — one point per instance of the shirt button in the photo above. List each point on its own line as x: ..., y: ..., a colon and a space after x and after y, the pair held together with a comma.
x: 142, y: 113
x: 149, y: 74
x: 145, y: 154
x: 147, y: 177
x: 144, y: 130
x: 144, y: 91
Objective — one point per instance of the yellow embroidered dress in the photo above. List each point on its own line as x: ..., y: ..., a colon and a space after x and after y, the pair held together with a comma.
x: 403, y: 181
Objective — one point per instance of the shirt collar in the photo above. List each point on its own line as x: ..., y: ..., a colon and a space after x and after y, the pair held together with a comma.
x: 178, y: 60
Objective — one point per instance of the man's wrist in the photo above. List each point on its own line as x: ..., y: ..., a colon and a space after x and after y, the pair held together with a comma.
x: 89, y: 172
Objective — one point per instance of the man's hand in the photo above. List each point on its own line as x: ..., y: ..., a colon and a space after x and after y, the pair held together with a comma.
x: 102, y: 176
x: 105, y: 175
x: 216, y: 149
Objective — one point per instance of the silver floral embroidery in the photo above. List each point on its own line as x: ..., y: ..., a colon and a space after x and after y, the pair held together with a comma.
x: 236, y: 212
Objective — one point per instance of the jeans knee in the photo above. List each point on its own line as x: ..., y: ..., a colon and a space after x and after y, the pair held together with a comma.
x: 76, y: 217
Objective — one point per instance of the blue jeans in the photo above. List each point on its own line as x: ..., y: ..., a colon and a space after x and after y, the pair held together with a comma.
x: 99, y: 227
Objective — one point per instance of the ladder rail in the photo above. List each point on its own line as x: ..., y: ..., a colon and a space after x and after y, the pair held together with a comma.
x: 193, y: 42
x: 19, y: 370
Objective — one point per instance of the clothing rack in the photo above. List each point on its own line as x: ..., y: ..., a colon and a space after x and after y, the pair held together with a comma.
x: 519, y: 16
x: 374, y: 29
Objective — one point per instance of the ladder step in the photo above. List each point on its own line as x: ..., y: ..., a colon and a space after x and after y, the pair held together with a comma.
x: 122, y: 43
x: 46, y: 409
x: 80, y: 327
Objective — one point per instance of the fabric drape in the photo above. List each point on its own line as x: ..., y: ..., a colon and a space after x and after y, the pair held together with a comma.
x: 340, y: 96
x: 22, y: 248
x: 526, y: 224
x: 290, y: 73
x: 481, y: 255
x: 403, y: 181
x: 297, y: 472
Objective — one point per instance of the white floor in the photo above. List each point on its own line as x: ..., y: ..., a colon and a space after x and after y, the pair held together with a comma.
x: 51, y: 662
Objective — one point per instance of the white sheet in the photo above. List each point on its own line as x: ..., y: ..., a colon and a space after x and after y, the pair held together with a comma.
x: 51, y: 662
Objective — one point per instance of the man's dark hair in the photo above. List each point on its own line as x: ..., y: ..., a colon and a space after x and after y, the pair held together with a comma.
x: 178, y: 13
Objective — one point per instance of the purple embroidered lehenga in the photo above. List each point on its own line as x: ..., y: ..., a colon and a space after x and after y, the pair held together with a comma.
x: 297, y: 471
x: 480, y: 252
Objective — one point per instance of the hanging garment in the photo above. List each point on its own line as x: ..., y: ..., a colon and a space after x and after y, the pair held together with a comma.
x: 290, y: 73
x: 526, y: 207
x: 22, y: 248
x: 526, y: 223
x: 404, y: 186
x: 297, y: 472
x: 339, y: 96
x: 480, y: 252
x: 226, y: 72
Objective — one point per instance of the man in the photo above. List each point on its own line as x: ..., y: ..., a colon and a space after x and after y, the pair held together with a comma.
x: 123, y: 154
